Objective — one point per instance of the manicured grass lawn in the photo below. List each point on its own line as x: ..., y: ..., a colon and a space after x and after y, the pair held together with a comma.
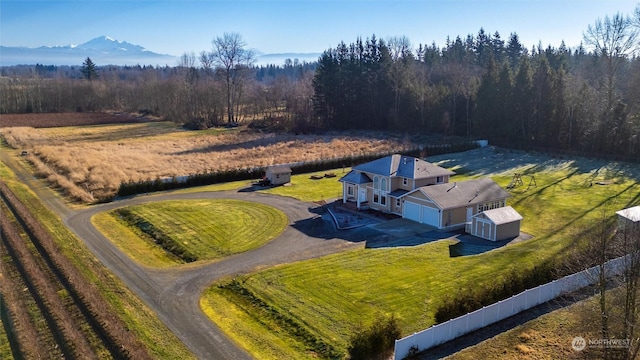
x: 139, y: 319
x: 330, y: 296
x: 133, y: 242
x: 304, y: 188
x: 209, y: 229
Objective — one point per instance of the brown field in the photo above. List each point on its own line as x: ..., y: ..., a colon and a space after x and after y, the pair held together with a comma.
x: 80, y: 323
x: 89, y: 163
x: 65, y: 119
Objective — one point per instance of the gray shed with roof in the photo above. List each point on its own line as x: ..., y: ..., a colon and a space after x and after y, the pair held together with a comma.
x: 629, y: 218
x: 496, y: 224
x: 278, y: 174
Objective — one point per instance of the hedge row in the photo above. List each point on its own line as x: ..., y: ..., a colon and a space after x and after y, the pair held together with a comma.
x: 467, y: 300
x: 322, y: 349
x: 375, y: 342
x: 222, y: 176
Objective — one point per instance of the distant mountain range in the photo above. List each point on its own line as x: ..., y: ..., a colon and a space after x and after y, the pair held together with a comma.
x: 104, y: 50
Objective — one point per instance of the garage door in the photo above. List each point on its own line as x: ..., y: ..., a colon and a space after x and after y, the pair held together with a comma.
x: 430, y: 216
x: 411, y: 211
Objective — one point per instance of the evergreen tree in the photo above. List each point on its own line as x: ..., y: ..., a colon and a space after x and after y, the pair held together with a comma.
x: 487, y: 100
x: 514, y: 50
x: 89, y: 70
x: 543, y: 102
x: 522, y: 110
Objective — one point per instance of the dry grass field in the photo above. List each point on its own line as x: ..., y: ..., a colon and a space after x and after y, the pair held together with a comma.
x: 88, y: 163
x: 66, y: 119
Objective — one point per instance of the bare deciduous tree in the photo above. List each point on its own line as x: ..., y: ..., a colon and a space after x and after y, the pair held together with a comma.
x: 618, y: 300
x: 231, y: 57
x: 614, y: 40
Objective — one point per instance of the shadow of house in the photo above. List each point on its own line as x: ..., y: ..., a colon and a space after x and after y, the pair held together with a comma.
x: 472, y: 245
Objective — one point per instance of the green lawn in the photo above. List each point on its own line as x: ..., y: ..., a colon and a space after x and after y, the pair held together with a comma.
x: 208, y: 229
x: 330, y: 296
x: 304, y: 188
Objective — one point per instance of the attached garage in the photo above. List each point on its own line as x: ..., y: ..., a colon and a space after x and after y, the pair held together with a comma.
x: 411, y: 211
x: 421, y: 213
x: 496, y: 224
x: 452, y: 205
x: 430, y: 216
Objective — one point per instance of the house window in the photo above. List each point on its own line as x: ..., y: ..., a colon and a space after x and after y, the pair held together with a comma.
x: 376, y: 183
x: 350, y: 190
x: 491, y: 205
x: 405, y: 181
x: 397, y: 203
x: 277, y: 176
x: 383, y: 184
x: 376, y: 198
x: 383, y: 200
x: 439, y: 179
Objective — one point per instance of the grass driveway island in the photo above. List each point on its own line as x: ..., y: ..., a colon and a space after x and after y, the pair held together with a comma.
x: 173, y: 232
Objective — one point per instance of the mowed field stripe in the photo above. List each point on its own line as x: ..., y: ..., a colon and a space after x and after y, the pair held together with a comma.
x: 211, y: 229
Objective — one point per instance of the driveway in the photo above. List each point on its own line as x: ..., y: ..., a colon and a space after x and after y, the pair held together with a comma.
x: 174, y: 293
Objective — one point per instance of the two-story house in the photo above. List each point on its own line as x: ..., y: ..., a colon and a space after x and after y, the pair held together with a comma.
x: 380, y: 184
x: 420, y: 191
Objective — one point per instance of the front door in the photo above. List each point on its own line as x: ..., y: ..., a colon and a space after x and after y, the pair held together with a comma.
x: 362, y: 195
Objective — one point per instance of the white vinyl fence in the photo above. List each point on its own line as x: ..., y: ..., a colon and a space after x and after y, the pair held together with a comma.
x: 480, y: 318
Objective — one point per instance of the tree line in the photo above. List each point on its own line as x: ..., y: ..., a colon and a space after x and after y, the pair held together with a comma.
x: 582, y: 99
x: 484, y: 86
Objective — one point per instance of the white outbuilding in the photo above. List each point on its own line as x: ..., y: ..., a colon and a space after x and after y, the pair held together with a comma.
x: 496, y: 224
x: 278, y: 174
x: 629, y: 218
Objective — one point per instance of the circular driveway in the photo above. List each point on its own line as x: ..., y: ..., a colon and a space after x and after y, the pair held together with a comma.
x: 174, y: 293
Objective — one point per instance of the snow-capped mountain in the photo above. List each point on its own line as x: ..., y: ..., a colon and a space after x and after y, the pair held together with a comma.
x: 103, y: 50
x: 107, y: 44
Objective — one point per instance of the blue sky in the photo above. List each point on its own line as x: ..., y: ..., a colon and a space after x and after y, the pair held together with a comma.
x: 174, y: 27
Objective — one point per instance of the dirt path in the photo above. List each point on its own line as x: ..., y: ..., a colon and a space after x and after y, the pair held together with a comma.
x: 174, y: 294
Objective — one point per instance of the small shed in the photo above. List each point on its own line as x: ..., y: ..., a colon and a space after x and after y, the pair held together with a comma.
x: 278, y: 174
x: 629, y: 218
x: 496, y: 224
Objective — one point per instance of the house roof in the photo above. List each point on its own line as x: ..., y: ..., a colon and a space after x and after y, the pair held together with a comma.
x: 403, y: 166
x: 453, y: 195
x: 355, y: 177
x: 502, y: 215
x: 632, y: 213
x: 279, y: 169
x: 398, y: 193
